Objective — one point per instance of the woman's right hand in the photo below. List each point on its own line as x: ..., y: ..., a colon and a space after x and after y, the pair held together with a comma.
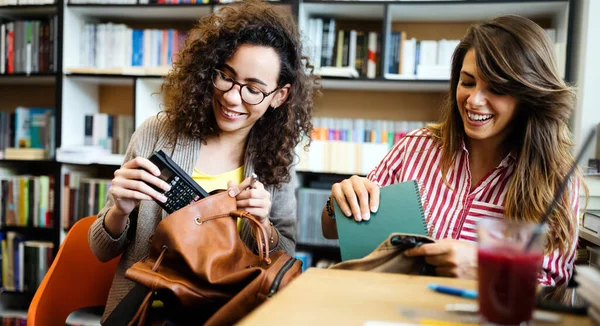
x: 128, y: 186
x: 356, y: 196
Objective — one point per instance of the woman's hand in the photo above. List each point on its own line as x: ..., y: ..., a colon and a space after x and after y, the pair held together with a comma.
x: 253, y: 198
x: 128, y: 186
x: 356, y: 196
x: 450, y: 257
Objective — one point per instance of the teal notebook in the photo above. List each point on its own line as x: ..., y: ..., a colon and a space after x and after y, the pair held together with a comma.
x: 400, y: 210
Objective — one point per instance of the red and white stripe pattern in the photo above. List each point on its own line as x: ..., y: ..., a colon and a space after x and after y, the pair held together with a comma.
x: 454, y: 212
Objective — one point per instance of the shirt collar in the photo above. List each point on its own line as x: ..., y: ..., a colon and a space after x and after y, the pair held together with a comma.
x: 508, y: 160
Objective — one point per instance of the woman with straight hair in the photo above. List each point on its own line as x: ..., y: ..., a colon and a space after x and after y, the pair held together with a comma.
x: 500, y: 150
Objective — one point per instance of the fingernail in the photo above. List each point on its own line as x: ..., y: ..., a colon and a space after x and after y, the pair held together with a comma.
x: 231, y: 192
x: 167, y: 187
x: 347, y: 213
x: 163, y: 199
x: 366, y: 216
x: 374, y: 209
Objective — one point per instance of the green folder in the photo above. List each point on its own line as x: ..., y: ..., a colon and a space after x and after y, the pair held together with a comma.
x: 400, y: 210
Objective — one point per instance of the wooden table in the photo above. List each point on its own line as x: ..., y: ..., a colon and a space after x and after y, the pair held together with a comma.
x: 339, y: 297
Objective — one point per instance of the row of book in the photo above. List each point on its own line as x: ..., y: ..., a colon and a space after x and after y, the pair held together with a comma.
x: 357, y: 52
x: 27, y: 128
x: 117, y: 45
x: 82, y: 196
x: 28, y: 46
x: 362, y: 130
x: 351, y: 146
x: 24, y: 261
x: 27, y: 201
x: 310, y: 206
x: 111, y: 132
x: 419, y: 59
x: 13, y: 321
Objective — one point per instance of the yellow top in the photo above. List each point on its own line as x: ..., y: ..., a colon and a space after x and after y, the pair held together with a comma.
x: 213, y: 182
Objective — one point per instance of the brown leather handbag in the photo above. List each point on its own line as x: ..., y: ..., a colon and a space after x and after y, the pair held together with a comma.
x: 200, y: 268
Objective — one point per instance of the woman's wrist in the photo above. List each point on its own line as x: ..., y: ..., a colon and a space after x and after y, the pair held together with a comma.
x: 329, y: 208
x: 115, y: 222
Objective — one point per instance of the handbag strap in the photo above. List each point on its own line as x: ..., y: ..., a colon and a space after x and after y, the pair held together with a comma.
x: 261, y: 240
x: 142, y: 313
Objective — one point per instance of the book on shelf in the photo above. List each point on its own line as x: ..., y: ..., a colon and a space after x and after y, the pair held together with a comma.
x: 83, y: 196
x: 107, y: 131
x: 27, y: 201
x: 24, y: 261
x: 351, y: 146
x: 29, y: 46
x: 118, y: 49
x: 28, y: 133
x: 310, y: 205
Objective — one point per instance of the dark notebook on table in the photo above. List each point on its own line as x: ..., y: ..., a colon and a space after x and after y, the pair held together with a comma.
x: 400, y: 210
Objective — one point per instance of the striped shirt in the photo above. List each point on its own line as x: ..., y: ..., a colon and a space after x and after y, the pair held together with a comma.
x: 454, y: 212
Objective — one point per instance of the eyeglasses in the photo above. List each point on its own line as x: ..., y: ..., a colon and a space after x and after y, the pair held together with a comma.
x: 249, y: 94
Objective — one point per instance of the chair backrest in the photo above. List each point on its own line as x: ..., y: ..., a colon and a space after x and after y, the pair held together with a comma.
x: 76, y: 279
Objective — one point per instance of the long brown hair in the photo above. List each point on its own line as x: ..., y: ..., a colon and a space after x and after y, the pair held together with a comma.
x: 188, y: 88
x: 515, y: 56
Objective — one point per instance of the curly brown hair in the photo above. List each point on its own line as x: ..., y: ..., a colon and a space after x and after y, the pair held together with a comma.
x: 188, y: 88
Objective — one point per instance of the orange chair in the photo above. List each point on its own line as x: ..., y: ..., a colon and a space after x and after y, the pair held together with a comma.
x: 76, y: 279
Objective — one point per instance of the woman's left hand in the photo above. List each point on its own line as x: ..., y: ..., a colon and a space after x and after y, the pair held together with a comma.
x: 450, y: 257
x: 252, y: 197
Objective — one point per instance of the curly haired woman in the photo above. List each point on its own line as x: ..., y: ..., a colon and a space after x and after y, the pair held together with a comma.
x: 237, y: 101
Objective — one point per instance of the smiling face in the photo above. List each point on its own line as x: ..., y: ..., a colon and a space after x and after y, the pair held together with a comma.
x: 258, y: 67
x: 486, y: 113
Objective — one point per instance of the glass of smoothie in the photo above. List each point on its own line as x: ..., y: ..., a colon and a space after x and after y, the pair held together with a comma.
x: 507, y: 274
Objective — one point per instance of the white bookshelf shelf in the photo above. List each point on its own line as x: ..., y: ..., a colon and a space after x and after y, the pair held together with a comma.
x: 182, y: 12
x: 379, y: 84
x: 29, y: 11
x: 355, y: 10
x: 23, y: 79
x: 589, y: 236
x: 105, y: 159
x: 121, y: 80
x: 472, y: 10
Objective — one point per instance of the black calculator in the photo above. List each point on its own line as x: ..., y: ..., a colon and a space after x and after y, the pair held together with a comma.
x: 184, y: 190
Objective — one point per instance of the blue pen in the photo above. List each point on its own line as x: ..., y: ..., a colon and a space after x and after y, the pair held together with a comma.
x: 470, y: 294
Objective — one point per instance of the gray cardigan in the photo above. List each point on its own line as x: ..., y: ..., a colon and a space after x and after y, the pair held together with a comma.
x: 146, y: 139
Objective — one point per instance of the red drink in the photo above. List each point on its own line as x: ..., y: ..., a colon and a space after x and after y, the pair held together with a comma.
x: 507, y: 283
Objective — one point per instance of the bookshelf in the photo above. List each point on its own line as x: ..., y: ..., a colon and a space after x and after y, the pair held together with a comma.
x: 77, y: 89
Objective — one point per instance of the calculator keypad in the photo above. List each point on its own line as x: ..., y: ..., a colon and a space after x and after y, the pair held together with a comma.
x: 179, y: 196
